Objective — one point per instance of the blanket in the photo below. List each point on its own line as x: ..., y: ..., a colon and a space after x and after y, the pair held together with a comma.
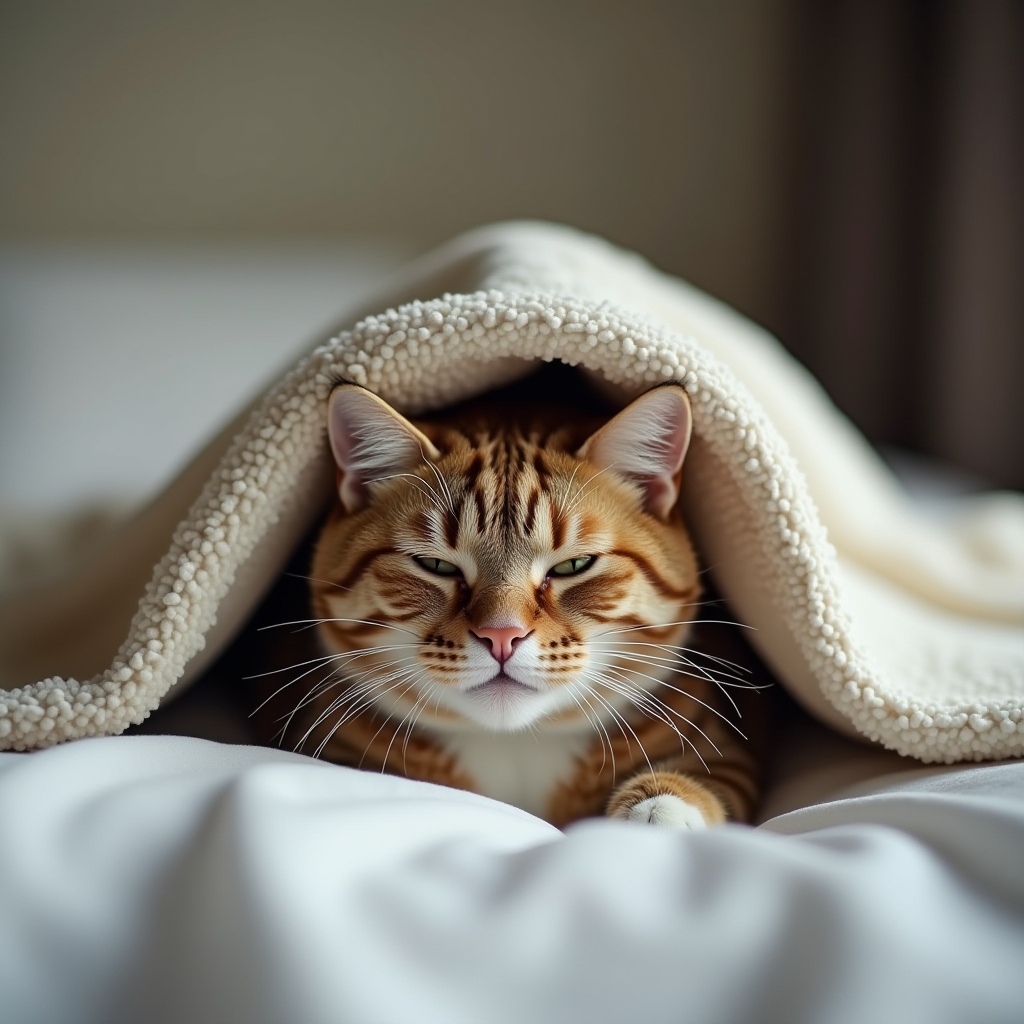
x: 169, y: 879
x: 903, y: 630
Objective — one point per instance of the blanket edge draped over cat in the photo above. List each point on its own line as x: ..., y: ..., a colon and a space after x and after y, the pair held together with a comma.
x: 882, y: 622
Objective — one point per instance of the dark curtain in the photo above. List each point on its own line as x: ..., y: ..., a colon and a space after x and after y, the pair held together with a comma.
x: 906, y: 283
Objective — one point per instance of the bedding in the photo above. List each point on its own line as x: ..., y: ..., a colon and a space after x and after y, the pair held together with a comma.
x: 903, y: 631
x: 168, y: 879
x: 171, y: 878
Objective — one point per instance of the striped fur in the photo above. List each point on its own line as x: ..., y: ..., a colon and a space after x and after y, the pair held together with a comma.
x: 595, y: 707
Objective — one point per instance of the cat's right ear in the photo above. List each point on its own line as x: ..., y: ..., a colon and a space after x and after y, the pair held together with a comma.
x: 370, y: 441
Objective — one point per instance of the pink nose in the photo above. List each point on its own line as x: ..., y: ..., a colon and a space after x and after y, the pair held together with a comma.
x: 502, y: 642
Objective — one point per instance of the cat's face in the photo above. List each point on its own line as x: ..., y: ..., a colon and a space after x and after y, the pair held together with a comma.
x: 503, y: 574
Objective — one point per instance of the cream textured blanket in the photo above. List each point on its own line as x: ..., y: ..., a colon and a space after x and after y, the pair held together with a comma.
x: 904, y: 630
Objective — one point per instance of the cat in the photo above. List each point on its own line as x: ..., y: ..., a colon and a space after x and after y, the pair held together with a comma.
x: 502, y: 599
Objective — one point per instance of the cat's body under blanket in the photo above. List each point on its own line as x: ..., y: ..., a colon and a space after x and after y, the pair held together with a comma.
x: 503, y: 600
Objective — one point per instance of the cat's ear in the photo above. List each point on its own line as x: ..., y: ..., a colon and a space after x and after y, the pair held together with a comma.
x: 370, y: 441
x: 646, y: 443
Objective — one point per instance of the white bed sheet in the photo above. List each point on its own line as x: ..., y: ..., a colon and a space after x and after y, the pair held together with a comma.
x: 158, y: 878
x: 161, y: 879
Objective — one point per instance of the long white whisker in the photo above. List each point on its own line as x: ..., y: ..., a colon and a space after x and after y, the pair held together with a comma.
x: 329, y: 657
x: 667, y: 709
x: 568, y: 488
x: 600, y: 729
x: 315, y: 690
x: 671, y: 648
x: 367, y: 699
x: 412, y: 725
x: 411, y: 718
x: 644, y: 702
x: 369, y: 744
x: 698, y: 673
x: 584, y: 487
x: 424, y: 488
x: 354, y: 691
x: 287, y: 719
x: 683, y: 693
x: 309, y: 623
x: 355, y: 680
x: 683, y: 622
x: 621, y: 721
x: 444, y: 485
x: 712, y: 675
x: 313, y: 579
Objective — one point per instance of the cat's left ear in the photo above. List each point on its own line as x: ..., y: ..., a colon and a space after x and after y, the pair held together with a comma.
x: 646, y: 443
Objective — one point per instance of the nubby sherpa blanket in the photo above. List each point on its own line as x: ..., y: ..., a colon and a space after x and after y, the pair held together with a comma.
x: 883, y: 623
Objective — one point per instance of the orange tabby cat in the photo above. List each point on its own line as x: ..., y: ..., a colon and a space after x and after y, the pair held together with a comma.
x: 503, y: 601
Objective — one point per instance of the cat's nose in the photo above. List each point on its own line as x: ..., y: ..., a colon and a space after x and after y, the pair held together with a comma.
x: 501, y: 641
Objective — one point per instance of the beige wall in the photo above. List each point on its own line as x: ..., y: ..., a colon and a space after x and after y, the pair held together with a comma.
x: 660, y: 125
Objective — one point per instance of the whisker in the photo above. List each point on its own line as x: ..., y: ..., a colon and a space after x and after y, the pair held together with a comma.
x: 424, y: 488
x: 620, y: 719
x: 366, y: 749
x: 313, y: 579
x: 315, y: 690
x: 701, y: 673
x: 291, y: 682
x: 444, y: 485
x: 591, y: 723
x: 578, y: 497
x: 368, y: 698
x: 359, y: 651
x: 355, y: 690
x: 706, y: 672
x: 411, y: 718
x: 604, y: 730
x: 310, y: 623
x: 685, y: 693
x: 287, y: 718
x: 646, y: 703
x: 352, y: 681
x: 568, y: 488
x: 668, y: 709
x: 684, y: 622
x: 412, y: 725
x: 689, y: 650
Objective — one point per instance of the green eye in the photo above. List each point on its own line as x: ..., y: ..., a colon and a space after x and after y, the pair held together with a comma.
x: 438, y: 566
x: 572, y: 566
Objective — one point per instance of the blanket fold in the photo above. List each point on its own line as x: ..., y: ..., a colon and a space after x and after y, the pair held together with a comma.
x: 907, y: 631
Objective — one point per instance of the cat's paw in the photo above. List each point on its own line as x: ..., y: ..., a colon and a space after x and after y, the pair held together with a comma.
x: 665, y: 811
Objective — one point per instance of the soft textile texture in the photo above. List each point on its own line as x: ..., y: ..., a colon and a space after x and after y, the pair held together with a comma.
x: 166, y: 879
x: 907, y: 632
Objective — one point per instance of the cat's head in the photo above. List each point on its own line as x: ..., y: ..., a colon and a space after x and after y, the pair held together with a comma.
x: 504, y: 573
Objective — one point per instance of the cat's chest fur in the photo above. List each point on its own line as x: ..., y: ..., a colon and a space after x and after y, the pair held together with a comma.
x: 520, y: 768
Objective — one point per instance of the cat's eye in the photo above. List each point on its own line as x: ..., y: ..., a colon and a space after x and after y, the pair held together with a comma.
x: 571, y: 566
x: 438, y: 566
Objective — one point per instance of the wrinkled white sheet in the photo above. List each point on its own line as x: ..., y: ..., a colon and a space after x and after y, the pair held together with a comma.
x: 153, y: 879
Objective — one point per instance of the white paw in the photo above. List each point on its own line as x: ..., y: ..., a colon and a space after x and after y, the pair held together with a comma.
x: 666, y: 811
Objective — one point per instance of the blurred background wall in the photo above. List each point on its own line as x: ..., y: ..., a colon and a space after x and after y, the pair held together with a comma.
x: 846, y: 173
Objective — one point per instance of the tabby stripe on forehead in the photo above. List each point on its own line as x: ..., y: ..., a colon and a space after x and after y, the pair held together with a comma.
x: 531, y: 511
x: 512, y: 450
x: 481, y: 511
x: 540, y: 464
x: 451, y: 526
x: 652, y: 575
x: 474, y: 469
x: 557, y: 527
x: 362, y: 564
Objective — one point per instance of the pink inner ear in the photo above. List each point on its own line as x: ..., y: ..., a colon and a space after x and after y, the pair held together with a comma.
x: 370, y: 441
x: 646, y: 443
x: 343, y: 428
